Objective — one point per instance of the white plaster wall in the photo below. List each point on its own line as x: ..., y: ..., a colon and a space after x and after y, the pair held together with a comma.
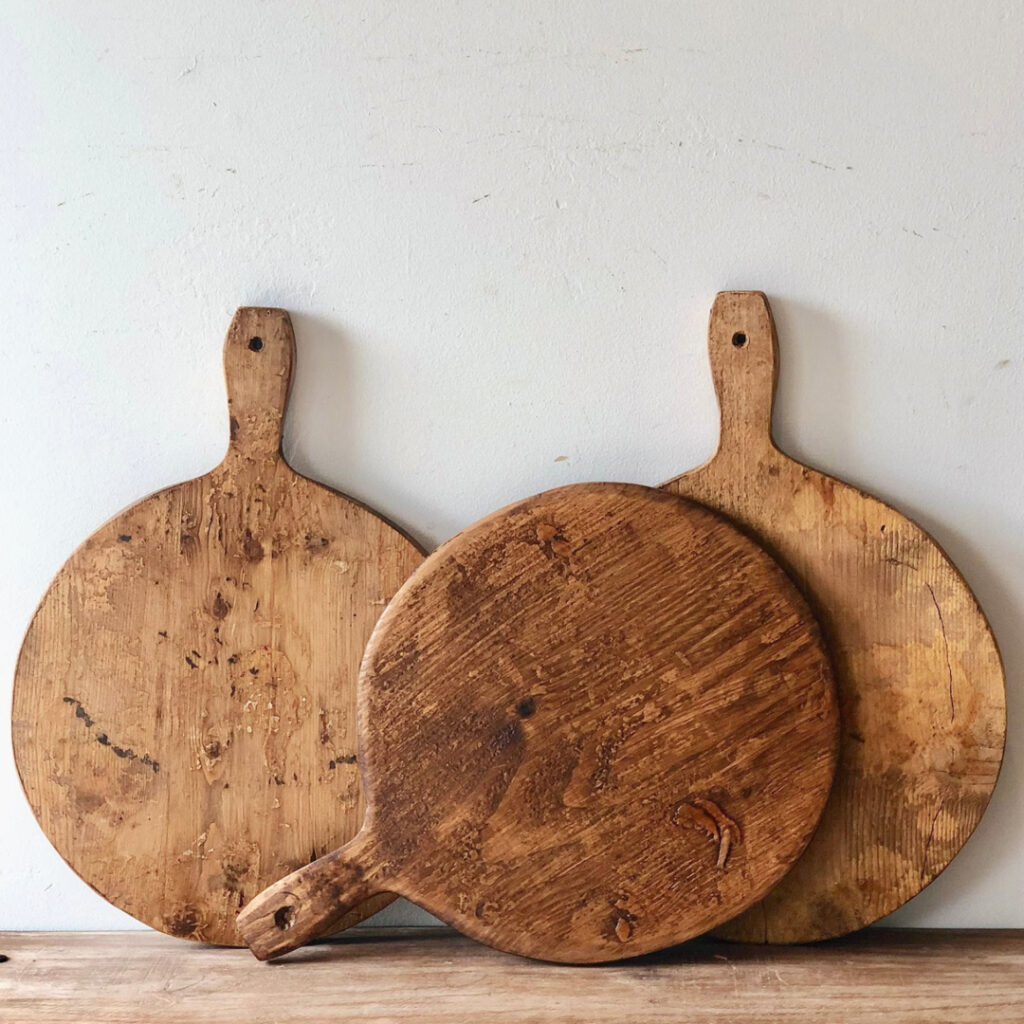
x: 499, y: 227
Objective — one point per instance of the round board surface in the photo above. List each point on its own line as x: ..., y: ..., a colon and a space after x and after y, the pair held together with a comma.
x: 594, y: 724
x: 920, y: 681
x: 184, y: 703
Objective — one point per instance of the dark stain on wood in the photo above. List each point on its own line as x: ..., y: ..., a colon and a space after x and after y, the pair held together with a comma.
x: 526, y: 707
x: 80, y: 712
x: 252, y: 547
x: 184, y: 923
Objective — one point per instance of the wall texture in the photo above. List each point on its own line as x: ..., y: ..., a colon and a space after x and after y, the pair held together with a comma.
x: 499, y: 228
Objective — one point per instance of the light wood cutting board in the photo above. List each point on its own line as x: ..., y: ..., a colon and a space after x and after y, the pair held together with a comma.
x: 184, y: 703
x: 921, y: 687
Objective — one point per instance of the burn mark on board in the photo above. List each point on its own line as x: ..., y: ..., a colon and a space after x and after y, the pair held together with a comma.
x: 127, y: 752
x: 104, y: 740
x: 184, y: 923
x: 80, y: 712
x: 526, y: 707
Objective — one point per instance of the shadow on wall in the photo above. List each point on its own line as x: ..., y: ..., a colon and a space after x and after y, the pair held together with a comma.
x: 814, y: 381
x: 322, y: 437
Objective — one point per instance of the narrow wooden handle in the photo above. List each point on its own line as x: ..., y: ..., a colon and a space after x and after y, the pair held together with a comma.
x: 744, y: 366
x: 310, y: 902
x: 258, y: 355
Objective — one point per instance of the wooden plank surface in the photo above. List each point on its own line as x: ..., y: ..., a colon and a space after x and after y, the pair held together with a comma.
x: 433, y: 975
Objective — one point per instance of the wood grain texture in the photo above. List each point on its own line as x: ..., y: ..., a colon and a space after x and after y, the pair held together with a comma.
x: 921, y: 688
x: 433, y: 976
x: 593, y: 724
x: 184, y: 703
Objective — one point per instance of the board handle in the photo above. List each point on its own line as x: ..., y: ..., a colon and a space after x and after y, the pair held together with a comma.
x: 310, y: 902
x: 744, y: 366
x: 259, y: 352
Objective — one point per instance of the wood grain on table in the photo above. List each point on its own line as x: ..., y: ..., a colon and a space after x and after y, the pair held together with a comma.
x: 433, y: 976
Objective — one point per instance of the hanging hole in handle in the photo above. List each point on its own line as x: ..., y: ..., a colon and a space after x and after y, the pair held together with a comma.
x: 739, y: 339
x: 255, y: 344
x: 284, y: 917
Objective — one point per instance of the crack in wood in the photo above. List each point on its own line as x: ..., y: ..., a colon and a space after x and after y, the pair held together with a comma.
x: 945, y: 641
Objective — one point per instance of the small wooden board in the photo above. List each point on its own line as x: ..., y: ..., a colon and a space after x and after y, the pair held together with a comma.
x: 593, y: 725
x: 184, y: 703
x: 921, y: 688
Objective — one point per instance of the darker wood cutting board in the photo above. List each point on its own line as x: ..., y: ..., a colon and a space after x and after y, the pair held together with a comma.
x: 184, y: 702
x: 592, y: 725
x: 921, y: 688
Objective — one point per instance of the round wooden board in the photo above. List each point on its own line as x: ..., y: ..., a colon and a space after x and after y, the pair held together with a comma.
x: 184, y: 703
x: 594, y: 724
x: 921, y: 687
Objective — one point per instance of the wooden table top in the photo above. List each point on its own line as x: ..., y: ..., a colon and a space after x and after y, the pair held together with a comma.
x: 433, y: 975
